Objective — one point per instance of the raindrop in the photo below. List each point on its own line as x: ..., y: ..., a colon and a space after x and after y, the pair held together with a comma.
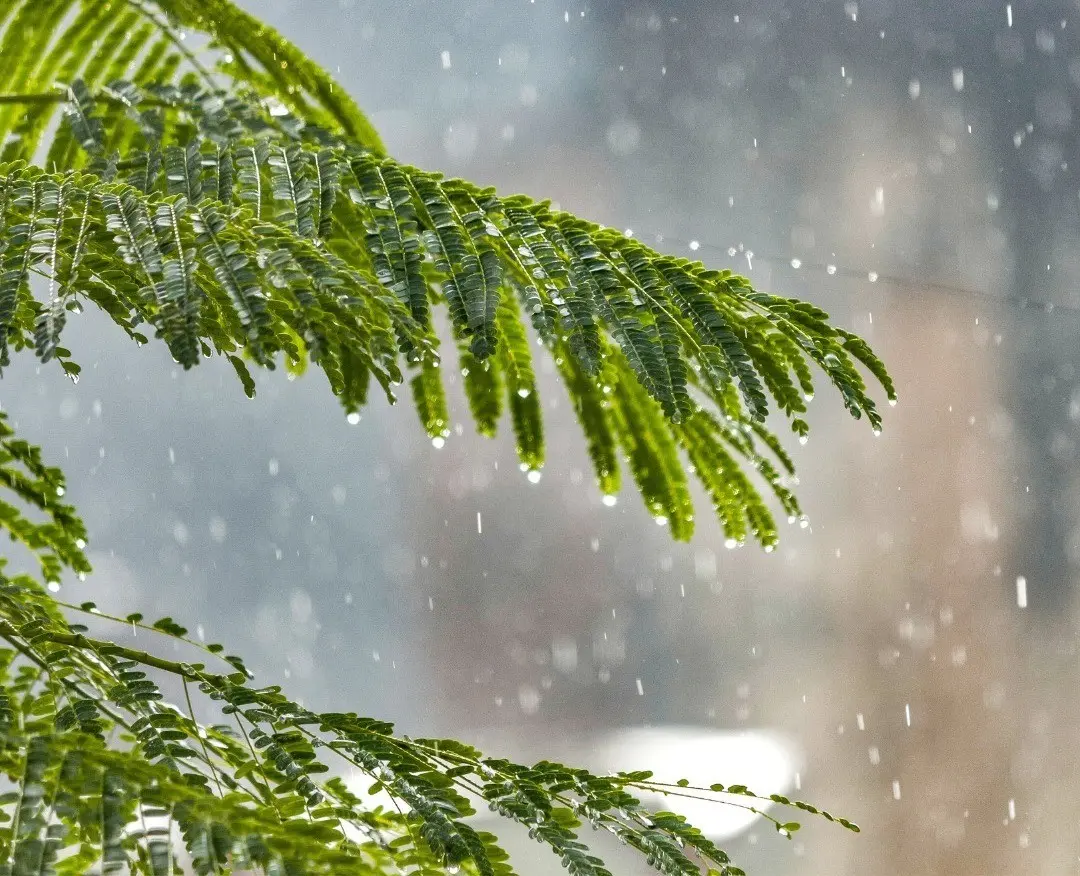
x: 695, y: 245
x: 872, y: 276
x: 54, y: 586
x: 218, y: 529
x: 610, y: 500
x: 524, y: 392
x: 353, y: 418
x: 1021, y: 591
x: 60, y: 491
x: 830, y: 269
x: 534, y: 476
x: 796, y: 263
x: 438, y: 442
x: 661, y: 520
x: 731, y: 543
x: 877, y: 205
x: 803, y: 439
x: 528, y: 699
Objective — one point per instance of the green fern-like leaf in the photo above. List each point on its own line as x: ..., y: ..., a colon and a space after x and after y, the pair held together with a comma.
x: 235, y: 200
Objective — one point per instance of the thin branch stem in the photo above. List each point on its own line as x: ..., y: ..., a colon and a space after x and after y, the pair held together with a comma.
x: 202, y: 741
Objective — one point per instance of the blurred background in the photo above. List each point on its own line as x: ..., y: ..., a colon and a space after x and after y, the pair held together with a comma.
x: 908, y: 660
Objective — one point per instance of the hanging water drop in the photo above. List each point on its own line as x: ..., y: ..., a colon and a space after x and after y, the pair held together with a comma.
x: 610, y: 500
x: 353, y: 418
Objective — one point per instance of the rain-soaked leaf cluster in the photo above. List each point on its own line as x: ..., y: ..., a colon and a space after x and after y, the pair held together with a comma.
x: 103, y: 771
x: 201, y: 181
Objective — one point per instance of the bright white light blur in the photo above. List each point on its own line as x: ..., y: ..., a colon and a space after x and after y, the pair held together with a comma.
x: 763, y: 761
